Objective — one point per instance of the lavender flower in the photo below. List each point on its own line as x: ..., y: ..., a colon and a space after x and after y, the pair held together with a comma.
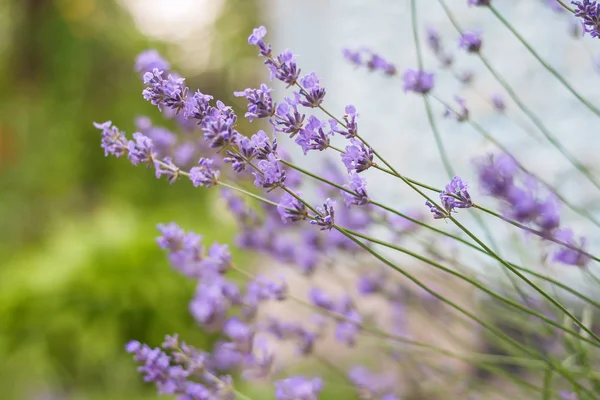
x: 256, y: 39
x: 291, y: 209
x: 589, y: 13
x: 456, y: 195
x: 379, y: 63
x: 113, y: 140
x: 271, y: 174
x: 352, y: 56
x: 161, y: 92
x: 197, y: 107
x: 141, y: 149
x: 350, y: 129
x: 212, y: 302
x: 149, y: 60
x: 359, y: 186
x: 204, y: 174
x: 496, y: 174
x: 217, y: 126
x: 568, y: 255
x: 284, y: 68
x: 357, y: 156
x: 298, y: 388
x: 288, y: 119
x: 312, y: 93
x: 313, y: 136
x: 166, y: 167
x: 470, y: 41
x: 260, y: 102
x: 325, y: 219
x: 437, y: 213
x: 417, y: 81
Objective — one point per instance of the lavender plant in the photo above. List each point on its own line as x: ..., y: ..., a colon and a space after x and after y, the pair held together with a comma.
x: 351, y: 284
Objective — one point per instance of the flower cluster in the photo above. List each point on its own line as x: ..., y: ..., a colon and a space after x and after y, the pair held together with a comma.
x: 370, y: 60
x: 589, y: 13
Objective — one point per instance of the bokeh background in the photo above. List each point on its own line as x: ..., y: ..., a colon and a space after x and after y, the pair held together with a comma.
x: 80, y: 274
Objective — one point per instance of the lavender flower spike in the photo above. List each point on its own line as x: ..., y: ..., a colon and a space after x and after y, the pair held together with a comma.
x: 290, y: 209
x: 326, y: 218
x: 417, y: 81
x: 260, y: 102
x: 113, y: 140
x: 204, y: 174
x: 357, y: 157
x: 456, y: 195
x: 470, y: 41
x: 589, y: 13
x: 256, y: 39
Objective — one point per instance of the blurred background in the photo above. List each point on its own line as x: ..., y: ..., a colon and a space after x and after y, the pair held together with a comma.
x: 80, y: 273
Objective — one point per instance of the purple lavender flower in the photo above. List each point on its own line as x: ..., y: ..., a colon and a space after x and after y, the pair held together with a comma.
x: 197, y: 107
x: 373, y: 385
x: 496, y: 174
x: 113, y: 140
x: 417, y: 81
x: 379, y: 63
x: 325, y: 219
x: 298, y: 388
x: 589, y: 13
x: 284, y: 68
x: 437, y: 213
x: 218, y: 259
x: 456, y: 195
x: 256, y: 39
x: 498, y: 102
x: 288, y: 119
x: 204, y: 174
x: 371, y: 282
x: 290, y: 209
x: 312, y: 93
x: 313, y: 136
x: 479, y: 3
x: 568, y: 255
x: 352, y: 56
x: 149, y: 60
x: 350, y: 130
x: 260, y: 102
x: 217, y: 126
x: 161, y: 92
x: 241, y: 334
x: 212, y: 302
x: 357, y: 157
x: 271, y: 174
x: 166, y: 167
x: 470, y: 41
x: 261, y: 362
x: 359, y: 186
x: 141, y: 149
x: 548, y: 214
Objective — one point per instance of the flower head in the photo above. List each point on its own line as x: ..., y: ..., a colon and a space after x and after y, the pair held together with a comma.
x: 113, y: 140
x: 455, y: 195
x: 170, y: 92
x: 312, y: 93
x: 470, y: 41
x: 325, y: 219
x: 141, y: 149
x: 291, y: 209
x: 357, y: 157
x: 417, y: 81
x: 589, y: 13
x: 204, y: 174
x: 260, y: 102
x: 271, y: 174
x: 315, y: 135
x: 359, y: 186
x: 256, y: 39
x: 568, y: 255
x: 284, y: 68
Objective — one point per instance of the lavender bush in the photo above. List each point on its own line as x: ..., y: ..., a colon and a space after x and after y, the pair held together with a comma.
x: 355, y: 309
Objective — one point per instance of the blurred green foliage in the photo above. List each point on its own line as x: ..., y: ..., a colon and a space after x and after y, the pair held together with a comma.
x: 80, y: 273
